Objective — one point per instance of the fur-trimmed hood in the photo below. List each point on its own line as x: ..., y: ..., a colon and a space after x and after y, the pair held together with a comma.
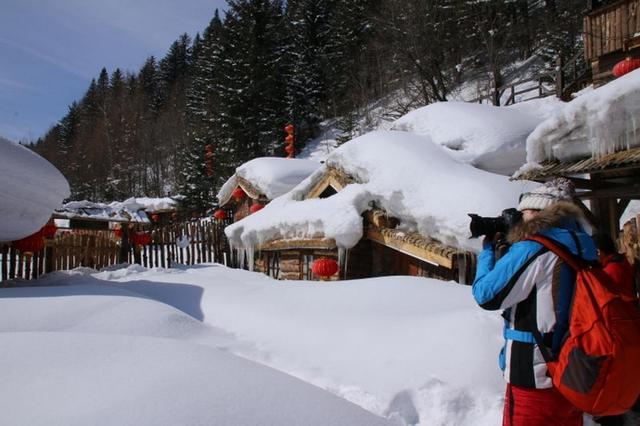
x: 555, y: 215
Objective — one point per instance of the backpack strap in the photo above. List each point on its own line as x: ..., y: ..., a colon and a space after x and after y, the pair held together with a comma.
x: 569, y: 258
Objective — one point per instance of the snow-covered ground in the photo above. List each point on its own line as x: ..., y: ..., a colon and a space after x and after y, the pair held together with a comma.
x: 193, y: 346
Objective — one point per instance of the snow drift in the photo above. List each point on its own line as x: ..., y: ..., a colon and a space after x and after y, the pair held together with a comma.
x: 488, y: 137
x: 30, y: 189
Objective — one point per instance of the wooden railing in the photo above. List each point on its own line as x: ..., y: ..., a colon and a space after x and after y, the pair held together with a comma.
x: 568, y: 77
x: 607, y: 29
x: 178, y: 243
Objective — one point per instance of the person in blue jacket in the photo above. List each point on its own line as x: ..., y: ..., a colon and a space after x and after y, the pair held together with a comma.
x: 534, y: 287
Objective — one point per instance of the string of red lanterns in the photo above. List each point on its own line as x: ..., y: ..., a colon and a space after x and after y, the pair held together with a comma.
x: 290, y: 140
x: 209, y: 159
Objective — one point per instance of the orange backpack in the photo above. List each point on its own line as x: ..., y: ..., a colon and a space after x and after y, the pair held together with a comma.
x: 598, y: 367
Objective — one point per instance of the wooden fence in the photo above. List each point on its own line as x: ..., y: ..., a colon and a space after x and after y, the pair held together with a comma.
x: 185, y: 243
x: 568, y: 77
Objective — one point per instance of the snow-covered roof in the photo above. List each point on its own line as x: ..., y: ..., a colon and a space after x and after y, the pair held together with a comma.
x: 598, y: 122
x: 30, y: 189
x: 270, y: 176
x: 119, y: 211
x: 405, y: 174
x: 488, y: 137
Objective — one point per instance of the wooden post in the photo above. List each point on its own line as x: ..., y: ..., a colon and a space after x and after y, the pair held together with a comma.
x: 12, y: 263
x: 123, y: 256
x: 5, y: 254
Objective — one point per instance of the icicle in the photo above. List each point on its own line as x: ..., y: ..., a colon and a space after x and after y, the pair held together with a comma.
x: 342, y: 258
x: 250, y: 256
x: 346, y: 264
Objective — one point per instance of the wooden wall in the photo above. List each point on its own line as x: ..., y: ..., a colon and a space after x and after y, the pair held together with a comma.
x: 606, y: 29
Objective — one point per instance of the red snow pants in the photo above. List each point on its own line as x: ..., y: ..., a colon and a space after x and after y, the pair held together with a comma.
x: 538, y: 407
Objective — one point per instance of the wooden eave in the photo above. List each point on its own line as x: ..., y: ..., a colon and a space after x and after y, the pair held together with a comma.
x: 250, y: 189
x: 303, y: 243
x: 415, y: 245
x: 332, y: 178
x: 615, y: 175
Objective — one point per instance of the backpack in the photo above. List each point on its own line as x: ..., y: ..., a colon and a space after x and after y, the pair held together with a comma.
x: 598, y: 366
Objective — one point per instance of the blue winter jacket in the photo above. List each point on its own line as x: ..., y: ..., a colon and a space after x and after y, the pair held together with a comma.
x: 534, y: 288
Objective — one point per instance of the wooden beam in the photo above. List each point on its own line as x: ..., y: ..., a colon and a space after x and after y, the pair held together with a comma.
x: 307, y: 243
x: 624, y: 191
x: 408, y: 248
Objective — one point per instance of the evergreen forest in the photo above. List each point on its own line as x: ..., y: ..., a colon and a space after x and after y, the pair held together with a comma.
x: 261, y: 64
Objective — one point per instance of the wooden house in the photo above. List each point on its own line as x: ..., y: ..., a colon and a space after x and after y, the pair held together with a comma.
x: 384, y: 203
x: 611, y: 33
x: 383, y: 250
x: 257, y: 182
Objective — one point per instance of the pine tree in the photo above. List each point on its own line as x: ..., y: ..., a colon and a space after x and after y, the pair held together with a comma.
x: 198, y: 178
x: 251, y: 83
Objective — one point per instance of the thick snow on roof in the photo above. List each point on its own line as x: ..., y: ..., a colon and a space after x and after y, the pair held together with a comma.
x: 488, y: 137
x: 598, y: 122
x: 130, y: 210
x: 30, y: 189
x: 272, y: 176
x: 405, y: 174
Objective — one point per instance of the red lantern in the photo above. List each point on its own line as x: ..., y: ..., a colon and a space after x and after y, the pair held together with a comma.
x: 238, y: 193
x: 31, y: 244
x: 289, y: 149
x: 289, y: 139
x: 118, y: 233
x: 289, y: 129
x: 256, y: 207
x: 155, y: 218
x: 626, y: 66
x: 220, y: 215
x: 141, y: 239
x: 324, y: 267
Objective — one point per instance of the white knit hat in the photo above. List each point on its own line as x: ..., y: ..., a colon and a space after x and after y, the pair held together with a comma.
x: 549, y: 193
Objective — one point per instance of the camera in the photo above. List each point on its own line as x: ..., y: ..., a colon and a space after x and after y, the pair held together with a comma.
x: 492, y: 225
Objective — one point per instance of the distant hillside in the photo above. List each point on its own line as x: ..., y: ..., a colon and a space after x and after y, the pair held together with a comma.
x: 230, y: 91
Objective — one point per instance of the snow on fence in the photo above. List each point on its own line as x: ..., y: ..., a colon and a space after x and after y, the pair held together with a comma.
x: 177, y: 243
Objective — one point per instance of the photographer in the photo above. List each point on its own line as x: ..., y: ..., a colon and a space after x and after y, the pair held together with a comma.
x: 534, y: 288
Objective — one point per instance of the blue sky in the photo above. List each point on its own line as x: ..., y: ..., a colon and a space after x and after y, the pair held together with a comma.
x: 51, y: 49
